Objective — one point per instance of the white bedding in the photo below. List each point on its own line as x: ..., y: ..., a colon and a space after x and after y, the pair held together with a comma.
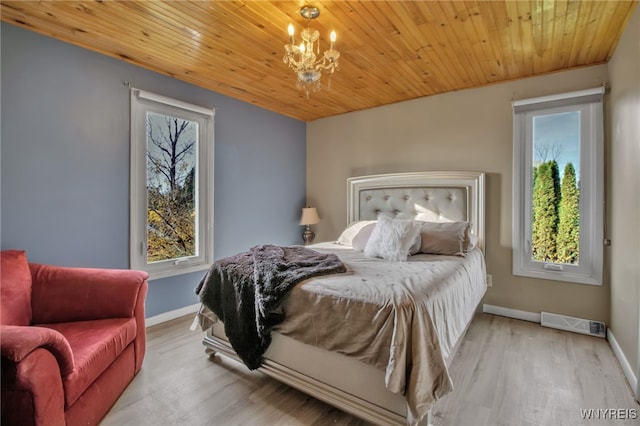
x: 401, y: 317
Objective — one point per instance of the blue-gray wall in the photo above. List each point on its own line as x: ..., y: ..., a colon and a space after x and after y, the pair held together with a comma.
x: 65, y: 162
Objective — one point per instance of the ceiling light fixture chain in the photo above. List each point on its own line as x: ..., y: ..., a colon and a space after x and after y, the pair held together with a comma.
x: 301, y: 58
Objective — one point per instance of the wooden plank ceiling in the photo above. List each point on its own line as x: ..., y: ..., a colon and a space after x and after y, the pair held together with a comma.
x: 391, y: 51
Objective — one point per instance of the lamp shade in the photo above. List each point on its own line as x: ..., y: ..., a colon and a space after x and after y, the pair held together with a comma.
x: 309, y: 216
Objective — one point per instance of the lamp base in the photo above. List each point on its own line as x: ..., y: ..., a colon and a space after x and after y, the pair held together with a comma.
x: 308, y: 236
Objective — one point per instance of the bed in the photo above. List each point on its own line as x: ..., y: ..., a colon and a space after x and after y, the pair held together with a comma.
x: 386, y: 375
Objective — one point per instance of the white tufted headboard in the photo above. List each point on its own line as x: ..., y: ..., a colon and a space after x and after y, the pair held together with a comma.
x: 428, y: 196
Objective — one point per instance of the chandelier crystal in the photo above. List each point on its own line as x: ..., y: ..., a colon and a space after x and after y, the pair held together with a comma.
x: 305, y: 58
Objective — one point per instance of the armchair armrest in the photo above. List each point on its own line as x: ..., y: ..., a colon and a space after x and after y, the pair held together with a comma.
x: 32, y: 391
x: 17, y: 342
x: 64, y: 294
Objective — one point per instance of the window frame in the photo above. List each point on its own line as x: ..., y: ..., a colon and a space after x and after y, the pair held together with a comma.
x: 590, y: 104
x: 141, y: 103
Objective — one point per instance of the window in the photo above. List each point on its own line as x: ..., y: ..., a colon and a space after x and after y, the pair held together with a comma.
x: 171, y: 185
x: 558, y: 187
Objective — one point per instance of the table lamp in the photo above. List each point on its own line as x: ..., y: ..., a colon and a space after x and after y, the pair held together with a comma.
x: 309, y: 217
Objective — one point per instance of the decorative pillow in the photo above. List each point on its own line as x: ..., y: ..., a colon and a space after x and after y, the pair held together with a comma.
x: 417, y: 244
x: 448, y: 238
x: 392, y: 238
x: 473, y: 242
x: 15, y: 289
x: 346, y: 238
x: 362, y: 237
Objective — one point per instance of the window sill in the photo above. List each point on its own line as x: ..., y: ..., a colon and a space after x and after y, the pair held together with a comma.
x: 156, y: 275
x: 559, y: 276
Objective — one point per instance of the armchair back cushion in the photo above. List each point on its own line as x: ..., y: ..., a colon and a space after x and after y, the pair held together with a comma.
x: 15, y: 291
x: 62, y: 294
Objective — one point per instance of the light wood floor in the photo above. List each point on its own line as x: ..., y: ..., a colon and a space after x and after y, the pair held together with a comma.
x: 507, y: 372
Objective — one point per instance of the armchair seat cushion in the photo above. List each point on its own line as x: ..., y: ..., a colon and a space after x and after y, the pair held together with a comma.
x: 95, y: 346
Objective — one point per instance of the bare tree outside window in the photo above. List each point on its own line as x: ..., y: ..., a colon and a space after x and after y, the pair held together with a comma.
x: 547, y: 151
x: 171, y: 176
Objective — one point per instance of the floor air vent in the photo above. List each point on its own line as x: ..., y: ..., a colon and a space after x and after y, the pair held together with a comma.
x: 577, y: 325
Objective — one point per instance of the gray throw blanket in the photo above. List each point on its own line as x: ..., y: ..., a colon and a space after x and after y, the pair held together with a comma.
x: 246, y: 292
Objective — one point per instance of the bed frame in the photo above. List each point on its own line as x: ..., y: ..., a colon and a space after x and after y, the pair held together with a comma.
x: 343, y: 382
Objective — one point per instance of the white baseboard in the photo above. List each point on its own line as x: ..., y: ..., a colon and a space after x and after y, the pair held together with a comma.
x: 511, y: 313
x: 624, y: 363
x: 168, y: 316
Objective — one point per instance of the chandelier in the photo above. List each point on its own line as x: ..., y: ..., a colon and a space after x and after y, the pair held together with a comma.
x: 305, y: 58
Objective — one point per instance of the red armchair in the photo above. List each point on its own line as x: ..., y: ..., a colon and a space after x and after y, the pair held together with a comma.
x: 72, y: 339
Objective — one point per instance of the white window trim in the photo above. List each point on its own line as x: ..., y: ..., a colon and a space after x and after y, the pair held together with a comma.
x: 142, y: 101
x: 590, y: 270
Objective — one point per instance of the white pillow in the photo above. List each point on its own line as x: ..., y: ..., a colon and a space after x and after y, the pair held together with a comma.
x: 473, y: 242
x: 417, y: 245
x: 362, y: 237
x: 346, y: 238
x: 391, y: 239
x: 360, y: 240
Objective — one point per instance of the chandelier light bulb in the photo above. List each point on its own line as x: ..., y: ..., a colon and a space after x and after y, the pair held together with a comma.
x: 291, y: 31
